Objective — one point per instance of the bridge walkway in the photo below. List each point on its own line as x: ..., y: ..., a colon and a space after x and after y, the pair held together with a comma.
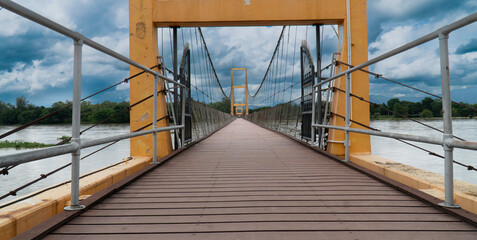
x: 246, y: 182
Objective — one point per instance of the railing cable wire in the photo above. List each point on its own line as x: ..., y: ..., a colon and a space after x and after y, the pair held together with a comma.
x: 44, y: 176
x: 379, y: 76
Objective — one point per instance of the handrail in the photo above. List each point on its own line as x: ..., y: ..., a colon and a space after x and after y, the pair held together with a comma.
x: 426, y: 38
x: 410, y: 137
x: 74, y: 148
x: 35, y: 17
x: 24, y: 157
x: 447, y: 142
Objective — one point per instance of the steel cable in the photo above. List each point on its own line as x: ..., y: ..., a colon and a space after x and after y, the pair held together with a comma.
x: 469, y: 167
x: 67, y: 106
x: 44, y: 176
x: 394, y: 112
x: 210, y: 60
x: 5, y: 170
x: 270, y: 63
x: 379, y: 76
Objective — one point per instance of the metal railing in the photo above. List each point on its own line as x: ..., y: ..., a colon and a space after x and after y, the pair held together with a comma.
x: 76, y: 145
x: 448, y: 142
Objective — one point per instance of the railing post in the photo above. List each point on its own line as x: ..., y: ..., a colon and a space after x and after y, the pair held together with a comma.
x: 313, y: 114
x: 154, y: 121
x: 76, y: 120
x: 176, y: 78
x: 447, y: 118
x: 183, y: 103
x: 319, y: 114
x: 347, y: 116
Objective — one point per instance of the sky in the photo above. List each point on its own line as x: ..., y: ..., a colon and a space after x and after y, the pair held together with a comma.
x: 37, y: 63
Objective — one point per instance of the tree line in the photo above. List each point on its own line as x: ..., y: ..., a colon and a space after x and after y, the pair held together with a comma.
x: 24, y: 112
x: 426, y: 108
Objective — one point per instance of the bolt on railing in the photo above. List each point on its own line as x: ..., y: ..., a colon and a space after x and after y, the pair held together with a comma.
x: 448, y: 142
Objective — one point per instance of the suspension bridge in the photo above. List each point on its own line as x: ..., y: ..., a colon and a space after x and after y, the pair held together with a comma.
x: 290, y: 167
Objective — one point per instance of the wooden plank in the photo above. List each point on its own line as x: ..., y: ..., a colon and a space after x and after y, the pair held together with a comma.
x: 320, y: 195
x: 201, y: 184
x: 255, y: 210
x: 303, y: 188
x: 330, y: 217
x: 280, y: 235
x: 278, y: 203
x: 264, y: 226
x: 116, y: 199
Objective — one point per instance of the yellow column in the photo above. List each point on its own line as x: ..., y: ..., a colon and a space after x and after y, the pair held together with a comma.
x: 360, y: 84
x: 143, y: 49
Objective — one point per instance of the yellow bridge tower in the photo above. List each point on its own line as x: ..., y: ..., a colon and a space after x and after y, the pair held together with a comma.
x: 147, y: 15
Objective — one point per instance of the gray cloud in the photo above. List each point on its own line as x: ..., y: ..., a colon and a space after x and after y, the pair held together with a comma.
x: 470, y: 46
x: 383, y: 14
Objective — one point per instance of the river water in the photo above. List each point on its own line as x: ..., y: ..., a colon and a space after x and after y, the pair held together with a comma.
x: 49, y: 134
x: 388, y: 148
x: 403, y: 153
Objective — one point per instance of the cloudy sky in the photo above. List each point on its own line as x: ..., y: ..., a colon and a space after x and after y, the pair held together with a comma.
x: 37, y: 63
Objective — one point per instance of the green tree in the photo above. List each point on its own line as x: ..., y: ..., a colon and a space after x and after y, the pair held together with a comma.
x: 223, y: 105
x: 426, y: 113
x: 392, y: 102
x: 436, y: 108
x: 400, y: 111
x: 21, y: 102
x: 100, y: 114
x: 427, y: 103
x: 27, y: 116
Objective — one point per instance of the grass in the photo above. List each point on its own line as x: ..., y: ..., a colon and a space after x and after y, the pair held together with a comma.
x: 63, y: 138
x: 21, y: 144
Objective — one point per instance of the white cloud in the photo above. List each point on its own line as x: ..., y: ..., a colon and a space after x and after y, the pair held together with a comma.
x: 56, y: 10
x: 123, y: 86
x: 12, y: 24
x: 35, y: 77
x: 96, y: 63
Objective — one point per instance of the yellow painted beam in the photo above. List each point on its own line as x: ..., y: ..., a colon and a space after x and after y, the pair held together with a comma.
x: 143, y: 48
x: 186, y: 13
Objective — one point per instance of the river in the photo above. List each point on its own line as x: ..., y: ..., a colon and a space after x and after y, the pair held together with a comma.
x: 49, y: 134
x: 403, y: 153
x: 388, y: 148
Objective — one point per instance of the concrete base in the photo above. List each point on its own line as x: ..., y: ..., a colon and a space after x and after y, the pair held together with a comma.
x: 433, y: 184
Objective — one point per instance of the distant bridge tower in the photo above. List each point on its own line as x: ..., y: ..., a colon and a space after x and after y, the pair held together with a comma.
x: 238, y: 108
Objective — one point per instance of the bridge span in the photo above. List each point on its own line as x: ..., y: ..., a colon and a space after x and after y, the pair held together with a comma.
x: 246, y: 182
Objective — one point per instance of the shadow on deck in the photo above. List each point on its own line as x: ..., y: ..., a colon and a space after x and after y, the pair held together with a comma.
x: 245, y: 182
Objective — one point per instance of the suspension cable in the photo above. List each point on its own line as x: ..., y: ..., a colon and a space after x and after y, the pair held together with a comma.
x: 210, y: 60
x: 379, y: 76
x: 270, y: 63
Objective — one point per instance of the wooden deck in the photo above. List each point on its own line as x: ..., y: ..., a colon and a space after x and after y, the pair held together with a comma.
x: 245, y: 182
